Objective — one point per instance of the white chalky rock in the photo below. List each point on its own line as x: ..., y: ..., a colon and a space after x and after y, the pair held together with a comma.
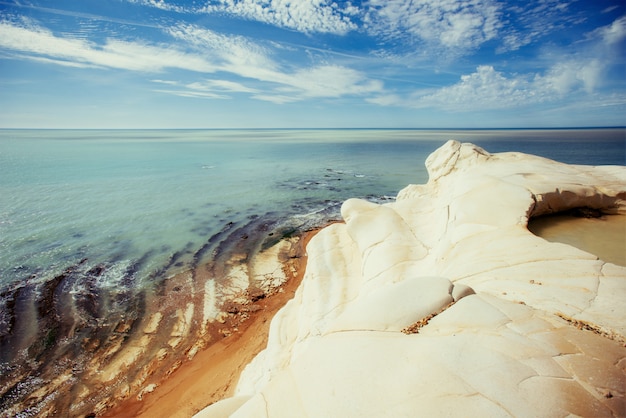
x: 504, y: 323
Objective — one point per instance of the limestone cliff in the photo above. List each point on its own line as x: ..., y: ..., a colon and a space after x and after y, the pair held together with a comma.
x: 442, y: 303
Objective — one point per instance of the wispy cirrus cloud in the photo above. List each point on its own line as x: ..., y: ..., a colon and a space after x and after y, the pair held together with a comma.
x: 325, y: 81
x: 232, y: 53
x: 330, y: 81
x: 37, y: 43
x: 241, y: 57
x: 207, y: 89
x: 198, y: 50
x: 526, y: 23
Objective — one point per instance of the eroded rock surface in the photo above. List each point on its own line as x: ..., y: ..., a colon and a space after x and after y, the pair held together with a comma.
x: 444, y: 304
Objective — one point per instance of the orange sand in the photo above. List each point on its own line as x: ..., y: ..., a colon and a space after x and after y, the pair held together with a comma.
x: 213, y: 373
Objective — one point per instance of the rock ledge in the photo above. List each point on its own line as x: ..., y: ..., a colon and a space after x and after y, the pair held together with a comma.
x: 444, y: 304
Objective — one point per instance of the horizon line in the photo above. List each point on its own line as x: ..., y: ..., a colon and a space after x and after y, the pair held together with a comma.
x: 322, y: 129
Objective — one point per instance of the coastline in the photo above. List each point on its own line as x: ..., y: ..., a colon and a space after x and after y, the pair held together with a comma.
x: 126, y: 354
x: 165, y: 328
x: 213, y: 372
x: 452, y: 303
x: 211, y: 376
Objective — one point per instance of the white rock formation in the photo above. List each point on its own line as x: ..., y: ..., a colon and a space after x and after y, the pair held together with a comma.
x: 497, y: 322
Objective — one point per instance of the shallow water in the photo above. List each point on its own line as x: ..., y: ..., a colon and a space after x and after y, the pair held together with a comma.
x: 138, y: 198
x: 604, y: 237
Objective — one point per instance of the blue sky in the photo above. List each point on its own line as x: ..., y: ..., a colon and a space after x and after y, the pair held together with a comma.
x: 312, y: 63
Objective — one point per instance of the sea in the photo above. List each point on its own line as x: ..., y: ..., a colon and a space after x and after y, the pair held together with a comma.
x: 91, y: 212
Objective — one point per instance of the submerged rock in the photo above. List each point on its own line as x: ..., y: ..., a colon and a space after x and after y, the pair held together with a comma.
x: 444, y: 304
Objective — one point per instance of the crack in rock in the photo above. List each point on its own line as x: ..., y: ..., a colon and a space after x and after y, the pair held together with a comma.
x: 415, y: 328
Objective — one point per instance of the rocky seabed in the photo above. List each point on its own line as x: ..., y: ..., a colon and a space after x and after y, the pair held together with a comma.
x: 80, y: 343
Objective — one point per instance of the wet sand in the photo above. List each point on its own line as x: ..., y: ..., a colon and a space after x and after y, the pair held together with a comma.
x: 213, y: 373
x: 83, y: 353
x: 604, y: 236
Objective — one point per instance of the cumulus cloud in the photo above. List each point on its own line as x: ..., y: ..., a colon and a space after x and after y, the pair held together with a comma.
x: 488, y: 89
x: 447, y: 23
x: 321, y: 16
x: 565, y: 77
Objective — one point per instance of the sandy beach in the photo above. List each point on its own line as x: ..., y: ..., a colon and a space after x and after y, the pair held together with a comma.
x: 213, y: 372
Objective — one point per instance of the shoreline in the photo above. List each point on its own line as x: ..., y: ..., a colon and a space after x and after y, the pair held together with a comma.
x: 214, y: 371
x: 452, y: 303
x: 104, y: 347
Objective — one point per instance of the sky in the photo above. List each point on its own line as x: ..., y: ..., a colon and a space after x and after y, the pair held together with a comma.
x: 312, y: 63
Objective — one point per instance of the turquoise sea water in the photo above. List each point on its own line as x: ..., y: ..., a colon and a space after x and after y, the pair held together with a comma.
x: 140, y: 197
x: 90, y: 218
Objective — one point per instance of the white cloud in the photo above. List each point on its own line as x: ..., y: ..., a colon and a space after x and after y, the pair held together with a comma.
x: 309, y: 16
x: 585, y: 65
x: 240, y: 57
x: 209, y: 89
x: 448, y: 23
x: 332, y: 81
x: 40, y: 44
x: 275, y: 98
x: 578, y: 74
x: 565, y: 77
x: 234, y: 54
x: 488, y: 89
x: 527, y: 22
x: 387, y: 100
x: 208, y: 52
x: 484, y: 89
x: 610, y: 8
x: 45, y: 60
x: 193, y: 94
x: 225, y: 85
x: 161, y: 4
x: 613, y: 33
